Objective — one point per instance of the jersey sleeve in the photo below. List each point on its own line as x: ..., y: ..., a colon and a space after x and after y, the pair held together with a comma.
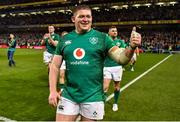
x: 57, y: 38
x: 123, y: 45
x: 108, y: 43
x: 59, y: 48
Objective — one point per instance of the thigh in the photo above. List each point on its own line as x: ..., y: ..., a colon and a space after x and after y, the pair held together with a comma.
x: 117, y: 72
x: 62, y: 117
x: 107, y: 73
x: 63, y: 65
x: 67, y: 107
x: 47, y: 57
x: 92, y: 110
x: 11, y: 54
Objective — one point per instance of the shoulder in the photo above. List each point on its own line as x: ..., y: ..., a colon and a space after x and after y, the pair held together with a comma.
x: 98, y: 32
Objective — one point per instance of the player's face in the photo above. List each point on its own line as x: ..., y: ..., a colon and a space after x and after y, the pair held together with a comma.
x: 11, y: 36
x: 82, y: 20
x: 51, y: 29
x: 113, y: 32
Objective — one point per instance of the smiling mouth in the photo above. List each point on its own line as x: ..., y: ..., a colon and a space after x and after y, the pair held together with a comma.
x: 84, y: 23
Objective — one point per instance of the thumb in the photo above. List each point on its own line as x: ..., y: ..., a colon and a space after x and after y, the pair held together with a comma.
x: 134, y: 29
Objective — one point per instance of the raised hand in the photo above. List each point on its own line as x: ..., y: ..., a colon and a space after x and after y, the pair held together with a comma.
x: 135, y: 39
x: 45, y: 36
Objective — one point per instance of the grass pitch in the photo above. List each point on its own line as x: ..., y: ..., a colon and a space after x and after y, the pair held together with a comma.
x: 24, y: 89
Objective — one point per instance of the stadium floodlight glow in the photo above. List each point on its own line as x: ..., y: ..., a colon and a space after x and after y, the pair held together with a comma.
x: 12, y: 14
x: 52, y: 11
x: 69, y: 10
x: 95, y: 8
x: 106, y: 9
x: 62, y: 11
x: 136, y: 5
x: 34, y: 13
x: 115, y: 7
x: 160, y: 3
x: 3, y: 15
x: 47, y: 12
x: 147, y: 4
x: 39, y: 12
x: 21, y: 14
x: 173, y: 2
x: 125, y: 6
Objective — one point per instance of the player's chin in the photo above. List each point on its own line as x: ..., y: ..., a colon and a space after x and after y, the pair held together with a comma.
x: 85, y: 29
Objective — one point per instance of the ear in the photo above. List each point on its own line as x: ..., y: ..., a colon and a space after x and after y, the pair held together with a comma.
x: 73, y: 19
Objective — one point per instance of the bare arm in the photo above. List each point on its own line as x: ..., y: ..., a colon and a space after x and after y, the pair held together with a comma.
x: 43, y: 40
x: 53, y: 76
x: 123, y: 57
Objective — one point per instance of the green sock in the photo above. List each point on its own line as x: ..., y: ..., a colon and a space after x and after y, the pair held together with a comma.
x: 116, y: 96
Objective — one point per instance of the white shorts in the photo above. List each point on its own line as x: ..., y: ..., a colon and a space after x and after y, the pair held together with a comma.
x: 90, y: 110
x: 47, y: 57
x: 114, y: 73
x: 63, y: 65
x: 134, y: 57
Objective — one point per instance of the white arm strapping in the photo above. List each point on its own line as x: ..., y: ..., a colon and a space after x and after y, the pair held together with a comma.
x: 121, y: 55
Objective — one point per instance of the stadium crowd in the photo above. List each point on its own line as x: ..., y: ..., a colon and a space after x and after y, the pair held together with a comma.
x: 152, y: 41
x: 23, y: 39
x: 101, y: 15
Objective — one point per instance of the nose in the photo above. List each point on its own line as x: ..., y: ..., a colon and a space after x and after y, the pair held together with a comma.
x: 84, y: 19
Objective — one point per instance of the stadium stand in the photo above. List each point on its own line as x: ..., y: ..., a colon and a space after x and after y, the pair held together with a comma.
x: 158, y: 21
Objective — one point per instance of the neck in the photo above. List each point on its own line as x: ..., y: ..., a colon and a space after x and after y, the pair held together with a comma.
x: 51, y: 33
x: 113, y: 37
x: 81, y: 31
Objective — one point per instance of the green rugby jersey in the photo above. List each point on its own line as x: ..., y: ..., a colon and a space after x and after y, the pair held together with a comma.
x: 12, y: 45
x: 108, y: 61
x: 51, y: 48
x: 84, y: 55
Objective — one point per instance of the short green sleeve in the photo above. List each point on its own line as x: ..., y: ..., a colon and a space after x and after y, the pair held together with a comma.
x: 108, y: 43
x: 59, y: 48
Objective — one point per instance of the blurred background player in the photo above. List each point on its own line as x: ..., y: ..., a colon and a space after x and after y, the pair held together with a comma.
x: 50, y: 40
x: 112, y: 70
x: 11, y: 49
x: 63, y: 67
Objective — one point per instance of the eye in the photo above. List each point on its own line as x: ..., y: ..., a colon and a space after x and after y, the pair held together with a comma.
x: 88, y: 16
x: 81, y: 16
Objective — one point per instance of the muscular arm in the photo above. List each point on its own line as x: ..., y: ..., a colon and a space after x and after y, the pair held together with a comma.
x: 54, y: 96
x: 54, y: 72
x: 121, y: 55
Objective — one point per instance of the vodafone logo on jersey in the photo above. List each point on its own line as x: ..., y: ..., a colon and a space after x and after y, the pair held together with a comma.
x: 79, y: 53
